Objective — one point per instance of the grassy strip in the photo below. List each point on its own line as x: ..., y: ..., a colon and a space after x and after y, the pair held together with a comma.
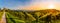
x: 8, y: 19
x: 1, y: 14
x: 13, y: 19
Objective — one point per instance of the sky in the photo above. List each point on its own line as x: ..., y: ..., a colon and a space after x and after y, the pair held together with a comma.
x: 30, y: 4
x: 13, y: 3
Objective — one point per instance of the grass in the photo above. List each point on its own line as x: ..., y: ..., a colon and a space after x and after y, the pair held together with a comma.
x: 1, y: 14
x: 12, y: 19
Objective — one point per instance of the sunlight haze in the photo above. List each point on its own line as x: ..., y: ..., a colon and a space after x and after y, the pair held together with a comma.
x: 44, y: 4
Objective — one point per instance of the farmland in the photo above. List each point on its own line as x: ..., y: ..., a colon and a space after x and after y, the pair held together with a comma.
x: 1, y: 14
x: 42, y: 16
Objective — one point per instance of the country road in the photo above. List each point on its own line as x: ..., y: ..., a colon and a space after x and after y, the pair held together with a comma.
x: 3, y: 20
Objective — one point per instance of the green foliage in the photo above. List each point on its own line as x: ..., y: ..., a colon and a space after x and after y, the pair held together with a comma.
x: 13, y: 19
x: 1, y: 14
x: 33, y: 17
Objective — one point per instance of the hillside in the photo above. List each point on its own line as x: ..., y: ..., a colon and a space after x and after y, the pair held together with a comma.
x: 40, y: 16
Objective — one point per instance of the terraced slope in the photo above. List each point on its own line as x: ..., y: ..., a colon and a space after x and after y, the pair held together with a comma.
x: 41, y: 16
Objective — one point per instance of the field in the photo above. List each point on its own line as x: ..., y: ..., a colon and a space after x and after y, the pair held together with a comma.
x: 13, y: 19
x: 1, y: 13
x: 42, y: 16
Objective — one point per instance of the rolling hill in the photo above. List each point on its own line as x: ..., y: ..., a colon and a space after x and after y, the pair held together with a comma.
x: 39, y: 16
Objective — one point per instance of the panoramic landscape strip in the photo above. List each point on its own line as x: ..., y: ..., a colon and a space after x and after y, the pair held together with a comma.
x: 29, y: 11
x: 20, y: 16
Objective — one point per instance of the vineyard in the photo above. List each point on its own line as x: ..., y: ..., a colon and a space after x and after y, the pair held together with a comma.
x: 42, y: 16
x: 13, y: 19
x: 1, y: 13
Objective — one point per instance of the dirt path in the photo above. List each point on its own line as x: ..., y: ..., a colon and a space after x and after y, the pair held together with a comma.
x: 3, y: 20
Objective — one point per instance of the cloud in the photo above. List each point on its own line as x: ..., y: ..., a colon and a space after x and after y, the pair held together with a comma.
x: 34, y: 4
x: 38, y: 5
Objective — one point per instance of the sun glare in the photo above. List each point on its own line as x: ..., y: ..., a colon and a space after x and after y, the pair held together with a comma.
x: 51, y: 6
